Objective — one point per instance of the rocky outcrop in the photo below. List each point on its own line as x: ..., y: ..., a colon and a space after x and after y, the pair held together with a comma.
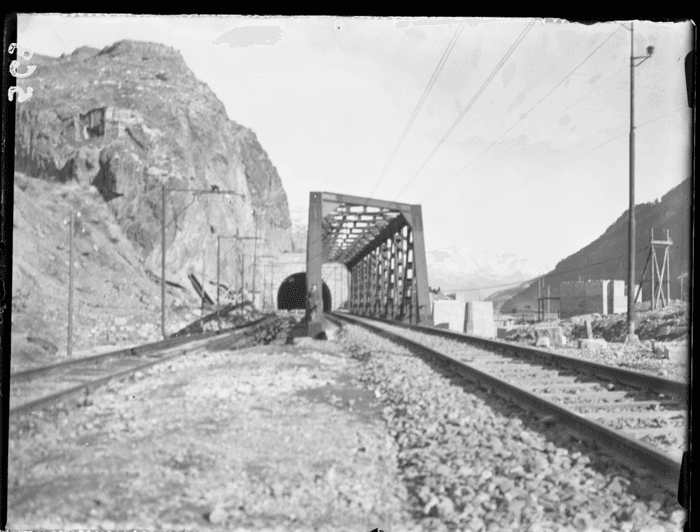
x: 114, y: 300
x: 131, y: 119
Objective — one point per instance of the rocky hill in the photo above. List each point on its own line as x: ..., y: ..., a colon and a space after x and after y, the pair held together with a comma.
x: 104, y: 131
x: 132, y: 118
x: 502, y: 296
x: 606, y: 257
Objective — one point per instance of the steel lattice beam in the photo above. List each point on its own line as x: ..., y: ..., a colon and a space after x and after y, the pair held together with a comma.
x: 381, y: 243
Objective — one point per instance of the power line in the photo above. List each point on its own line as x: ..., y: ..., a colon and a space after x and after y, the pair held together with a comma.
x: 469, y: 106
x: 420, y: 103
x: 571, y: 160
x: 625, y: 133
x: 598, y: 87
x: 527, y: 113
x: 529, y: 88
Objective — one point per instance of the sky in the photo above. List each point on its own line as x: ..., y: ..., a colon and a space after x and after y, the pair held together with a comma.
x: 520, y: 146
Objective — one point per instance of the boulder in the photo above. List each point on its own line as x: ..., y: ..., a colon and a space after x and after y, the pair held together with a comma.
x: 542, y: 341
x: 553, y: 332
x: 676, y: 352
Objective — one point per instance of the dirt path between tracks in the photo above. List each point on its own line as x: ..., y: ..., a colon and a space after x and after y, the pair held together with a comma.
x: 268, y: 438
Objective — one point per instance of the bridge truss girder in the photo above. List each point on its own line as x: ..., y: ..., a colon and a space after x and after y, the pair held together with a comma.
x: 382, y: 245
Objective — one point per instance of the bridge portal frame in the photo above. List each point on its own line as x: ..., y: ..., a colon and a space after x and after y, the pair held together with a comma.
x: 382, y: 245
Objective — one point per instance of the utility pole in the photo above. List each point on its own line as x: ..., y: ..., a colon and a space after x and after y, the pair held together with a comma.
x: 237, y: 238
x: 632, y: 222
x: 163, y: 225
x: 271, y: 281
x: 242, y: 255
x: 273, y: 305
x: 162, y: 266
x: 218, y: 281
x: 218, y: 269
x: 255, y: 253
x: 204, y: 258
x: 631, y: 336
x: 218, y: 257
x: 539, y: 298
x: 70, y: 286
x: 266, y: 275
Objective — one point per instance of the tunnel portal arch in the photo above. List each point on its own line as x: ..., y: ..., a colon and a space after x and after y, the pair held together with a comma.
x: 292, y: 293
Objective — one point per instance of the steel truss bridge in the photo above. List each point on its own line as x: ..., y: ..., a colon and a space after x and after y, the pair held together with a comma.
x: 382, y: 245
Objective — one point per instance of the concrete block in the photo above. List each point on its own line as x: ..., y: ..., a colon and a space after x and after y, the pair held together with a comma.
x: 618, y: 299
x: 592, y: 343
x: 589, y: 297
x: 678, y: 354
x: 449, y: 312
x: 553, y: 332
x: 479, y: 319
x: 543, y: 341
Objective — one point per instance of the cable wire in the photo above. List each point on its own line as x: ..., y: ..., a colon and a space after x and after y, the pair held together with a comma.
x: 623, y: 134
x: 527, y: 113
x: 420, y: 103
x: 526, y: 91
x: 469, y: 106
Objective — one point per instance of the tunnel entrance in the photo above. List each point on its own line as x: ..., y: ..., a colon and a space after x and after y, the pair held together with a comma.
x: 292, y: 293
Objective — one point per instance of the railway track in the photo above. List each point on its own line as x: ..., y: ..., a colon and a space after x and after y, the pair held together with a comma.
x: 37, y: 388
x: 639, y: 418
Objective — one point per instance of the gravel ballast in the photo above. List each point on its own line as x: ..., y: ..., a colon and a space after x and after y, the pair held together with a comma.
x: 265, y: 438
x: 472, y: 461
x: 354, y: 433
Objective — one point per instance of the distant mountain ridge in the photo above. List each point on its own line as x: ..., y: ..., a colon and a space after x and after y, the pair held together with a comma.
x: 458, y: 269
x: 606, y: 257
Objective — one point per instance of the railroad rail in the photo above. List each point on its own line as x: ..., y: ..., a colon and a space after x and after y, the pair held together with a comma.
x: 641, y: 419
x: 40, y: 387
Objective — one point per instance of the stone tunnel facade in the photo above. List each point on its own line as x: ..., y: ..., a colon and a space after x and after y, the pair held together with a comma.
x: 282, y: 267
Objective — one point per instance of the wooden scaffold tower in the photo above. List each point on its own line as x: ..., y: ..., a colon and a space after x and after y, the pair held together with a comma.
x: 660, y: 275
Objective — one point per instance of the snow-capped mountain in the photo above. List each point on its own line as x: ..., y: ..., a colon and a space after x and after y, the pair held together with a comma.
x: 453, y: 269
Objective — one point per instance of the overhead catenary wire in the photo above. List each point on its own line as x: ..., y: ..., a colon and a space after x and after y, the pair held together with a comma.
x: 469, y: 106
x: 596, y: 88
x: 420, y: 103
x: 623, y: 134
x: 526, y: 114
x: 528, y: 89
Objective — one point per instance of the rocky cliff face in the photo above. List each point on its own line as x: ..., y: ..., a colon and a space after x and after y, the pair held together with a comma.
x: 132, y: 118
